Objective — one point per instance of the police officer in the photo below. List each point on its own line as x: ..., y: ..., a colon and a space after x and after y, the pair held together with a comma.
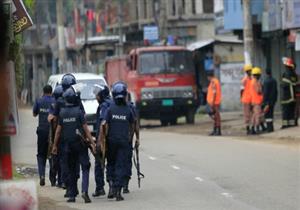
x: 288, y: 86
x: 103, y: 98
x: 55, y: 169
x: 130, y: 149
x: 41, y: 108
x: 71, y: 122
x: 269, y: 99
x: 118, y: 123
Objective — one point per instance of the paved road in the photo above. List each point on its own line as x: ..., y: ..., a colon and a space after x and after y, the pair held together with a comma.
x: 194, y: 172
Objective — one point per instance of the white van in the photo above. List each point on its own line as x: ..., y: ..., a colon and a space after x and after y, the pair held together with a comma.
x: 87, y: 82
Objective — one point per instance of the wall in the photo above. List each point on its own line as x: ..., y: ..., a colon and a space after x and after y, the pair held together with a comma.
x: 231, y: 73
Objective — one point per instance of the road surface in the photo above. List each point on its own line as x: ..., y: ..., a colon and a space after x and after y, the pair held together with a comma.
x: 191, y: 172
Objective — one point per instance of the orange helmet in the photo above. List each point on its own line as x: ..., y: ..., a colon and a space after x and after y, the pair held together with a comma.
x: 288, y: 62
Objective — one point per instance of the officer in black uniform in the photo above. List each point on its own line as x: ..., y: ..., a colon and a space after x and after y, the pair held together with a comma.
x: 118, y: 123
x: 55, y: 169
x: 103, y: 98
x: 130, y: 145
x: 270, y: 97
x: 41, y: 108
x: 288, y: 86
x: 71, y: 122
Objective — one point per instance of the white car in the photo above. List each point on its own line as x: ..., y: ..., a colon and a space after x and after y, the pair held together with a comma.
x: 86, y: 82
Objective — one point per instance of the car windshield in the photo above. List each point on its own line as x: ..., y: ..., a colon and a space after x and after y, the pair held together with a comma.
x: 87, y: 88
x: 166, y: 62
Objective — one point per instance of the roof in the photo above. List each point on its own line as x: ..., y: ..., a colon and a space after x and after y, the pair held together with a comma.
x: 159, y: 48
x: 223, y: 39
x: 78, y: 76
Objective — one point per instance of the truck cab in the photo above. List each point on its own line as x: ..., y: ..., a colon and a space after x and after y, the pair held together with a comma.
x: 161, y: 81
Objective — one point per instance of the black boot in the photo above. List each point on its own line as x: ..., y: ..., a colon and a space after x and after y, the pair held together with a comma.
x: 125, y: 188
x: 42, y: 181
x: 67, y: 194
x: 263, y: 127
x: 213, y: 132
x: 99, y: 192
x: 253, y: 132
x: 218, y: 131
x: 248, y: 130
x: 296, y: 122
x: 119, y: 195
x: 71, y: 200
x: 111, y: 191
x: 257, y: 130
x: 86, y: 197
x: 270, y: 127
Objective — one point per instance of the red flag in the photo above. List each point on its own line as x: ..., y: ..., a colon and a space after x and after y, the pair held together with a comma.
x: 98, y: 23
x: 78, y: 28
x: 90, y: 15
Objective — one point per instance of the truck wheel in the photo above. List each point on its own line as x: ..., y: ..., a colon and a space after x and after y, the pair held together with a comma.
x: 173, y: 121
x: 164, y: 122
x: 190, y: 117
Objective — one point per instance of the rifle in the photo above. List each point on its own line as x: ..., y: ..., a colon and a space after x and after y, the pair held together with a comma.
x: 136, y: 160
x: 51, y: 138
x: 84, y: 141
x: 103, y: 133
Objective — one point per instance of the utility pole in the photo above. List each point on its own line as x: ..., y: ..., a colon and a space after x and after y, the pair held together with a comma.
x: 120, y: 21
x: 163, y: 20
x: 60, y: 36
x: 248, y: 33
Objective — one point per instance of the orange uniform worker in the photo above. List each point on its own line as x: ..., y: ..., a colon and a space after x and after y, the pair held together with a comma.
x: 213, y: 99
x: 246, y: 97
x: 256, y: 99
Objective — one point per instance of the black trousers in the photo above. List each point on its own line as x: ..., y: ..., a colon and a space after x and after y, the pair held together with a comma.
x: 288, y: 112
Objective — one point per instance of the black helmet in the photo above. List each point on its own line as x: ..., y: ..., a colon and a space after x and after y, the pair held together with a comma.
x: 102, y: 91
x: 67, y: 81
x: 119, y: 90
x: 58, y: 91
x: 70, y: 96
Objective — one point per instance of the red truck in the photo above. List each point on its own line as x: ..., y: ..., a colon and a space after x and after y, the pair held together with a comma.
x: 161, y: 81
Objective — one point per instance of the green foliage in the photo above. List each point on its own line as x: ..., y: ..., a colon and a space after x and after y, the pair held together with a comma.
x: 30, y: 5
x: 15, y: 54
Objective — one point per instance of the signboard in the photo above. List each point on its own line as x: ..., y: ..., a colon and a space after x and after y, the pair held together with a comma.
x: 18, y: 195
x: 297, y: 45
x: 151, y: 33
x: 291, y: 14
x: 21, y: 19
x: 11, y: 120
x: 231, y: 72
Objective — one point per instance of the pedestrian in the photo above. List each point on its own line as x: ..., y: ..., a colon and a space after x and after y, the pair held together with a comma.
x: 256, y: 100
x: 288, y: 87
x: 246, y: 97
x: 103, y: 98
x: 269, y: 99
x: 118, y: 123
x: 213, y: 99
x: 71, y: 122
x: 41, y: 109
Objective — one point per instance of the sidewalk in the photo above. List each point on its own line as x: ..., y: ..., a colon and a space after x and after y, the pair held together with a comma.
x: 232, y: 125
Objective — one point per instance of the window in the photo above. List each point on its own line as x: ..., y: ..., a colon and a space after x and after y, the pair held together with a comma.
x: 145, y: 9
x: 183, y: 6
x: 208, y: 6
x: 174, y: 8
x: 194, y: 11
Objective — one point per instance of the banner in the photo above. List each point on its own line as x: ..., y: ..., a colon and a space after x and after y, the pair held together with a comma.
x: 21, y: 19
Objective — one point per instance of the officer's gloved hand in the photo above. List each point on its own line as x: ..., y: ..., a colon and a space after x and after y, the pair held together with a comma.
x: 137, y: 143
x: 54, y: 150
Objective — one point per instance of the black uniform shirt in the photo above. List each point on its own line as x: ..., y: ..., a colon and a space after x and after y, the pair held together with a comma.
x: 71, y: 118
x: 270, y: 91
x: 119, y: 119
x: 41, y: 108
